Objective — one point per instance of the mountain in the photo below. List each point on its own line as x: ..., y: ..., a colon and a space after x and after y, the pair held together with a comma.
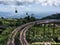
x: 53, y: 16
x: 23, y: 14
x: 5, y: 14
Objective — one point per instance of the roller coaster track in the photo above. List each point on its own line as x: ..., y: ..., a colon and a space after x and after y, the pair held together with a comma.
x: 23, y: 28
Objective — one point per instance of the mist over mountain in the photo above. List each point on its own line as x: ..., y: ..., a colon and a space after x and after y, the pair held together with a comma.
x: 4, y: 14
x: 53, y: 16
x: 21, y: 15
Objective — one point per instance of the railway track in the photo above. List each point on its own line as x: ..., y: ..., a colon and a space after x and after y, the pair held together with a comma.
x: 12, y: 36
x: 23, y: 35
x: 24, y: 28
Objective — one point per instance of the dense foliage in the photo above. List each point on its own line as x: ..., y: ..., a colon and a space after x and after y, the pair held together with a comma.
x: 7, y: 25
x: 36, y: 34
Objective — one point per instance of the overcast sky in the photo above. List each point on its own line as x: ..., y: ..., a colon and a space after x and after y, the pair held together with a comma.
x: 38, y: 6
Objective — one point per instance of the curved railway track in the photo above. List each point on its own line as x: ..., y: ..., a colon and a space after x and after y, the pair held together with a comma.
x: 12, y: 36
x: 24, y: 28
x: 23, y: 35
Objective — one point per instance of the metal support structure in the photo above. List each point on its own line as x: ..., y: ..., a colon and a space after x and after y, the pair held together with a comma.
x: 44, y: 28
x: 40, y: 25
x: 53, y: 28
x: 48, y: 26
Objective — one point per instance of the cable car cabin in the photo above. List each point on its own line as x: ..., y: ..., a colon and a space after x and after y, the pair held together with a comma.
x: 16, y: 11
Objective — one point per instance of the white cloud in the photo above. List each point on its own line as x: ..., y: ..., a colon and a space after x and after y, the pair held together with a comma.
x: 23, y: 2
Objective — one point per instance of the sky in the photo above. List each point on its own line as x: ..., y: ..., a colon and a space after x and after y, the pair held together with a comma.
x: 39, y: 7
